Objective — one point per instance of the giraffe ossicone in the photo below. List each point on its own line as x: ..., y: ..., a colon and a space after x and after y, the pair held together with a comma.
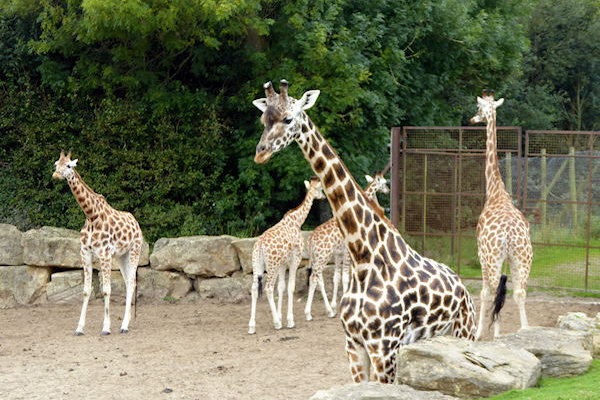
x: 326, y: 241
x: 278, y: 246
x: 396, y: 296
x: 107, y: 233
x: 502, y: 230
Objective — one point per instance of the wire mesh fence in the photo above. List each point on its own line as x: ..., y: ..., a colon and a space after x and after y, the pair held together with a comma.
x: 438, y: 192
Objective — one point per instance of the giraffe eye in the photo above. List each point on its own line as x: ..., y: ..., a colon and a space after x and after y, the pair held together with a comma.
x: 288, y: 120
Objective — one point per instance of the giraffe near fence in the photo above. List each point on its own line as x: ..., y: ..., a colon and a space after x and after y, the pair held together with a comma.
x: 396, y: 296
x: 279, y: 245
x: 502, y: 230
x: 327, y: 241
x: 107, y: 233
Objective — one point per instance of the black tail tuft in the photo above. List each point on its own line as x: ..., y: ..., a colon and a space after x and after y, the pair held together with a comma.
x: 499, y: 300
x: 308, y: 274
x: 259, y: 285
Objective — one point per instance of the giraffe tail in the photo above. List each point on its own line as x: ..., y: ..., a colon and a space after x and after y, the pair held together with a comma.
x: 499, y: 299
x: 308, y: 274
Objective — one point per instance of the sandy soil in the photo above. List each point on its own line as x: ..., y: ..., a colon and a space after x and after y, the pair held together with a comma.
x: 191, y: 350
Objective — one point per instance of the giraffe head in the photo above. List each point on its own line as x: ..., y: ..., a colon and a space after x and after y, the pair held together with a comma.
x: 315, y: 186
x: 380, y: 182
x: 487, y: 106
x: 284, y: 119
x: 64, y: 166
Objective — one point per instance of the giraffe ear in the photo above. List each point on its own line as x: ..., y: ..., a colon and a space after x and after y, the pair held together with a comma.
x: 307, y: 184
x: 261, y: 104
x: 72, y: 163
x: 480, y: 101
x: 308, y: 99
x: 369, y: 178
x: 498, y: 103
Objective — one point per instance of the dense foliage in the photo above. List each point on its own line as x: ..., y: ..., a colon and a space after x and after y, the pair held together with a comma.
x: 154, y: 96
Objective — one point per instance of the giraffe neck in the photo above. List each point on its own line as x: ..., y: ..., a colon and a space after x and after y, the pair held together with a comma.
x: 88, y: 200
x: 493, y: 179
x: 299, y: 214
x: 349, y: 204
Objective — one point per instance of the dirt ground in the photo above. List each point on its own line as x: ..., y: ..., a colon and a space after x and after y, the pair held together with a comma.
x: 191, y: 350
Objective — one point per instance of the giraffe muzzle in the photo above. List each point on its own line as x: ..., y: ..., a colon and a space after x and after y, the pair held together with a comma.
x: 263, y: 154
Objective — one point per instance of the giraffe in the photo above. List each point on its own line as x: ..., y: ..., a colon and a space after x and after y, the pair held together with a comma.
x: 282, y: 243
x: 396, y: 296
x: 327, y: 240
x: 502, y: 230
x: 106, y: 233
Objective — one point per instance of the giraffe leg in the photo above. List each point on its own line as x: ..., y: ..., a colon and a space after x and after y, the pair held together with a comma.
x: 358, y: 358
x: 519, y: 282
x: 269, y: 288
x: 106, y: 289
x: 280, y: 290
x: 86, y: 258
x: 330, y: 312
x: 346, y: 270
x: 254, y: 291
x: 486, y: 300
x: 384, y: 366
x: 296, y: 259
x: 312, y: 285
x: 128, y: 271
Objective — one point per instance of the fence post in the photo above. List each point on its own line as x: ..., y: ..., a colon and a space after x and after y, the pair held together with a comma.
x: 573, y: 187
x: 544, y: 193
x: 424, y: 203
x: 508, y: 161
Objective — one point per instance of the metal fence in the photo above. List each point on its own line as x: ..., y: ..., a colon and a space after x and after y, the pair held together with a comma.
x: 438, y: 191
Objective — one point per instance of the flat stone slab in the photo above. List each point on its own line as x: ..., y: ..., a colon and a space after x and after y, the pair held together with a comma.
x: 466, y: 369
x: 562, y: 352
x: 227, y: 290
x: 202, y: 256
x: 377, y: 391
x: 22, y: 285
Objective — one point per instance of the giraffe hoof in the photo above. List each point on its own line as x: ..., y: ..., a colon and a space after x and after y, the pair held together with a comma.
x: 78, y: 333
x: 309, y: 317
x: 105, y: 333
x: 290, y: 326
x: 251, y: 331
x: 331, y: 314
x: 124, y: 331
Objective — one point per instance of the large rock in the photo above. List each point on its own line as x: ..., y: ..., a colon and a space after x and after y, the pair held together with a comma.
x: 581, y: 322
x: 22, y: 284
x: 466, y: 369
x: 153, y: 284
x: 227, y: 290
x: 561, y: 351
x: 377, y: 391
x: 11, y: 250
x: 53, y: 247
x: 67, y: 287
x: 244, y: 248
x: 202, y: 256
x: 60, y: 247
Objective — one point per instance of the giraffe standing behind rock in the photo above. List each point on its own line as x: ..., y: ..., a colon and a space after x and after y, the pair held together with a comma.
x: 106, y: 233
x: 280, y: 245
x: 396, y: 296
x: 327, y: 241
x: 502, y: 230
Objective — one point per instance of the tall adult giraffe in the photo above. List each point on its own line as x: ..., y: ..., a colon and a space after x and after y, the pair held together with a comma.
x: 502, y: 230
x: 106, y: 233
x: 396, y: 296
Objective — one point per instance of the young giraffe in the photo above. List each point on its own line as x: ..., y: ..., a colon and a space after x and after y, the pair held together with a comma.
x: 396, y: 296
x: 106, y: 233
x: 502, y: 230
x: 327, y: 240
x: 282, y: 243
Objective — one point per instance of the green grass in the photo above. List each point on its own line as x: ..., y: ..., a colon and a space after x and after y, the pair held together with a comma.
x: 553, y: 266
x: 583, y: 387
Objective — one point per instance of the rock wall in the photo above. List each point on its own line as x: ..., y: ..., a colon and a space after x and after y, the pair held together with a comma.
x: 44, y: 265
